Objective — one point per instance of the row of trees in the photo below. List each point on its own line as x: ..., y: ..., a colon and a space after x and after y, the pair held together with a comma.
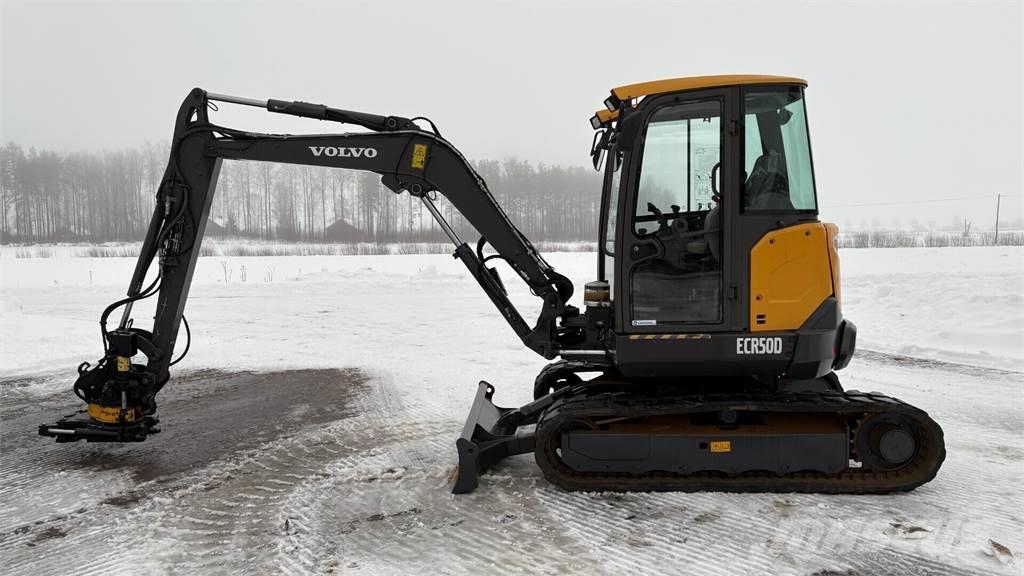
x: 47, y: 196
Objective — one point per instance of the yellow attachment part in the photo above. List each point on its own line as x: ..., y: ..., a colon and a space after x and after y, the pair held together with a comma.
x: 790, y: 276
x: 631, y: 91
x: 124, y: 364
x: 111, y: 414
x: 721, y: 446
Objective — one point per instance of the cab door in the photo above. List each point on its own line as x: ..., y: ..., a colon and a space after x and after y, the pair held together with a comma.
x: 674, y: 266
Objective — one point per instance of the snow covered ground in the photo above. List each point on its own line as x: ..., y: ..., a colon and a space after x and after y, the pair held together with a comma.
x: 311, y: 430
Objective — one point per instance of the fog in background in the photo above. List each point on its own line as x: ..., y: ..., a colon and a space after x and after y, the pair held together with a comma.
x: 912, y: 102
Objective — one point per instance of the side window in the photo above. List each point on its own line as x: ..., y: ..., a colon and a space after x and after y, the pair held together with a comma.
x: 613, y: 204
x: 778, y: 176
x: 613, y: 210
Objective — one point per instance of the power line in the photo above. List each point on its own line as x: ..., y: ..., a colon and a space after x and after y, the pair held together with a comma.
x: 989, y: 197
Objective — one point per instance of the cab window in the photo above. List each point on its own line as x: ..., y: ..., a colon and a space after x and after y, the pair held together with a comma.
x: 681, y: 149
x: 677, y: 211
x: 778, y: 175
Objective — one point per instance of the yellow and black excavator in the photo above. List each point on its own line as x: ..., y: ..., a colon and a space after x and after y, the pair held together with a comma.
x: 705, y: 356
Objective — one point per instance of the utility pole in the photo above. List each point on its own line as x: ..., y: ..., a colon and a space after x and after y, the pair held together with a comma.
x: 999, y: 198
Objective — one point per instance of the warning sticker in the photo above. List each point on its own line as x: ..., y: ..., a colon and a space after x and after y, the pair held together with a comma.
x: 704, y: 160
x: 721, y: 446
x: 419, y: 156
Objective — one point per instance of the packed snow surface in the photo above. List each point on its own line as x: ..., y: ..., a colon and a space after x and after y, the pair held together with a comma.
x: 311, y: 430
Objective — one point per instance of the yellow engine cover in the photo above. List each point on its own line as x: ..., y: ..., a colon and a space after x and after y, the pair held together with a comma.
x: 790, y: 276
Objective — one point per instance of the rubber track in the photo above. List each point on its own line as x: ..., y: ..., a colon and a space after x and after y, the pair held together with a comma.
x: 852, y: 406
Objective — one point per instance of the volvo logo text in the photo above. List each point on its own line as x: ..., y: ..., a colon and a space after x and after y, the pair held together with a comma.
x: 334, y: 151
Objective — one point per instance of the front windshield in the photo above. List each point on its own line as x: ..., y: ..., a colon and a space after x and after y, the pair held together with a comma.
x: 778, y: 174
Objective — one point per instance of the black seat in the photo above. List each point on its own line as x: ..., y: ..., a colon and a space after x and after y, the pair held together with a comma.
x: 767, y: 188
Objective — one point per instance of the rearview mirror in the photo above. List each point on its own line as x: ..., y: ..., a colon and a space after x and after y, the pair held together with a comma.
x: 599, y: 148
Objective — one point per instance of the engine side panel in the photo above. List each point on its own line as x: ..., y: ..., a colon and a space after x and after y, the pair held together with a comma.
x: 790, y: 276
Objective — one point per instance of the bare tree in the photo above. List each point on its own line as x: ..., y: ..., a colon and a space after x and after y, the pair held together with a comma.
x: 46, y: 196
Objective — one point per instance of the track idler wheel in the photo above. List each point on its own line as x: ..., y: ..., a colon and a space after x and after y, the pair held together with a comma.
x: 886, y: 442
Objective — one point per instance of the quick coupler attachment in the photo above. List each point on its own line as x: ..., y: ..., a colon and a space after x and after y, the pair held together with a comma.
x: 119, y: 395
x: 490, y: 435
x: 81, y: 426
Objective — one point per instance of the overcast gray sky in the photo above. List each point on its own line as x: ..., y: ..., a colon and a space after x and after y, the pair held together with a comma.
x: 907, y: 101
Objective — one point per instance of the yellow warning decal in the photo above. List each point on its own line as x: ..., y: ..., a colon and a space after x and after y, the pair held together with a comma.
x: 419, y: 156
x: 124, y: 364
x: 721, y: 446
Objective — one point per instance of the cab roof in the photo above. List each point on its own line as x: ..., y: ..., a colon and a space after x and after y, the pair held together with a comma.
x: 631, y: 91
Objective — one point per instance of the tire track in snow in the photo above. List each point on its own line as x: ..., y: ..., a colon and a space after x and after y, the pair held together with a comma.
x: 919, y: 362
x: 190, y: 495
x: 368, y: 494
x: 408, y: 522
x: 725, y: 533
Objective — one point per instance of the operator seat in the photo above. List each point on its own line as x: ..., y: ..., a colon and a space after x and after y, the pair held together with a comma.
x: 767, y: 188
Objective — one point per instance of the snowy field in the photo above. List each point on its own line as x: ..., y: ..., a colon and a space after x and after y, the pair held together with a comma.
x: 311, y: 430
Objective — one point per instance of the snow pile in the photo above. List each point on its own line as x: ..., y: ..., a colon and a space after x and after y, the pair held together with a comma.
x: 953, y: 304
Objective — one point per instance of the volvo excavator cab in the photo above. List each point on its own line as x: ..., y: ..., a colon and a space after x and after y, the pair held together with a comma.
x: 705, y: 355
x: 703, y: 170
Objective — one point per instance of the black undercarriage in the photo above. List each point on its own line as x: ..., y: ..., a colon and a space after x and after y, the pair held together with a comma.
x: 799, y: 436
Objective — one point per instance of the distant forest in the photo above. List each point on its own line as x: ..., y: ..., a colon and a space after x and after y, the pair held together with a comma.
x: 46, y: 196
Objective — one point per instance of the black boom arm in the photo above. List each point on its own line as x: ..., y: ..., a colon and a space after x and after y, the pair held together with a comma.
x: 407, y: 157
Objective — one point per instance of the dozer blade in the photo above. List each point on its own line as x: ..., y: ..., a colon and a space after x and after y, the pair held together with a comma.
x: 488, y: 436
x: 80, y: 426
